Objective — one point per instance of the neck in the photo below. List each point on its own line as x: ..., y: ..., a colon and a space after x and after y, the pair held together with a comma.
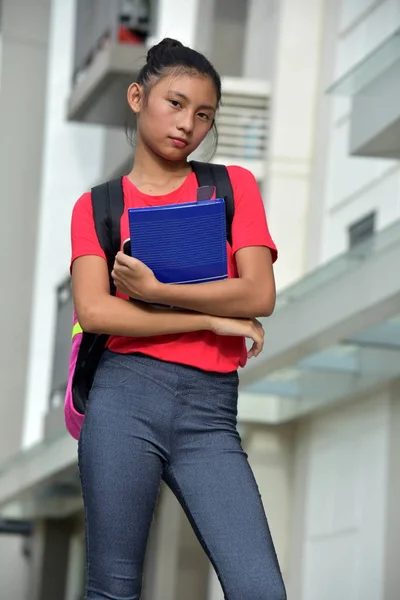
x: 148, y: 166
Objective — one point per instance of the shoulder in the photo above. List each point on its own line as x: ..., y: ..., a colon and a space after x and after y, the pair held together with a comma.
x: 83, y: 207
x: 244, y: 185
x: 240, y: 176
x: 82, y: 214
x: 84, y: 202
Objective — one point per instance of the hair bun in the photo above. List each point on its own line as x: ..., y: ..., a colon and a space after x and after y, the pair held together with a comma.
x: 167, y: 44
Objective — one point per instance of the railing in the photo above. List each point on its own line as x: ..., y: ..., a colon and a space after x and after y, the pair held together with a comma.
x: 243, y: 119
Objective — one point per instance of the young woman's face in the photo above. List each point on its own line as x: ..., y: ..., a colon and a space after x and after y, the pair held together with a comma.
x: 179, y: 113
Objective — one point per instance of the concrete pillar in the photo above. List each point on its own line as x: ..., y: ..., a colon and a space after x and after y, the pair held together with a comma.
x: 392, y: 542
x: 50, y: 559
x: 176, y: 565
x: 160, y: 578
x: 295, y: 96
x: 25, y: 33
x: 23, y: 73
x: 75, y: 584
x: 14, y: 560
x: 214, y: 587
x: 260, y: 39
x: 177, y: 19
x: 215, y: 28
x: 325, y: 112
x: 270, y: 455
x: 193, y: 565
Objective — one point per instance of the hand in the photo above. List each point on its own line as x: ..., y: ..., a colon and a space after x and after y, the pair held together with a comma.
x: 249, y: 328
x: 134, y: 279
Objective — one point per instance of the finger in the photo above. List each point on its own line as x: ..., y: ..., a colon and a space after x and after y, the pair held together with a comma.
x: 260, y: 329
x: 258, y: 324
x: 122, y: 259
x: 120, y: 268
x: 253, y: 351
x: 258, y: 343
x: 121, y: 288
x: 117, y: 280
x: 125, y: 261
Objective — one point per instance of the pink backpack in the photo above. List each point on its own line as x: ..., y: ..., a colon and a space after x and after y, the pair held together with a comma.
x: 87, y: 348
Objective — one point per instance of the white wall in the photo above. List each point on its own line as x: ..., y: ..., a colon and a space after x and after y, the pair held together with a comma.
x: 356, y: 186
x: 72, y: 162
x: 339, y: 539
x: 177, y: 19
x: 291, y: 151
x: 230, y: 17
x: 341, y: 483
x: 363, y: 25
x: 261, y: 35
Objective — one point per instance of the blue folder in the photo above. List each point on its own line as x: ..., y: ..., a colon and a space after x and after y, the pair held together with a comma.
x: 181, y: 243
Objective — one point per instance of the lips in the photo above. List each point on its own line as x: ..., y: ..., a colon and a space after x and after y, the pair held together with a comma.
x: 179, y: 142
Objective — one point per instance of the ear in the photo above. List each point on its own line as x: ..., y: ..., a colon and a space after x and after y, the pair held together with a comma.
x: 135, y: 97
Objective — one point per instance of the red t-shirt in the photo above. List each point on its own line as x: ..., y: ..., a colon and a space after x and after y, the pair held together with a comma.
x: 202, y: 349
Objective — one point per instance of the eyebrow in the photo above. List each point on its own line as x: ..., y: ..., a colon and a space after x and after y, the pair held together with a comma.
x: 204, y: 106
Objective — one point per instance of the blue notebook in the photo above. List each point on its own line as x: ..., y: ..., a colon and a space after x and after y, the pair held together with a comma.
x: 181, y: 243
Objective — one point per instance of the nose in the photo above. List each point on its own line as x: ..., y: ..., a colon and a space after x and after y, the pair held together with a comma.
x: 186, y: 121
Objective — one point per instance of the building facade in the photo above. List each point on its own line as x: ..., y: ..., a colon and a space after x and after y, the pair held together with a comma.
x: 309, y: 106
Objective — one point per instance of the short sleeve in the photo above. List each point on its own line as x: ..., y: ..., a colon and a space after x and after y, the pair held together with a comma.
x: 249, y: 227
x: 84, y: 239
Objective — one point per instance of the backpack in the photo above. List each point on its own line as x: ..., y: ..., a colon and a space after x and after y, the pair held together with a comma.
x: 87, y: 348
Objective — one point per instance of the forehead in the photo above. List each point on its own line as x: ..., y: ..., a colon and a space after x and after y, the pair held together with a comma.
x: 197, y: 88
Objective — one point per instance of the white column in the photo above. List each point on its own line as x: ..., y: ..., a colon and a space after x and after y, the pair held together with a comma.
x: 76, y: 567
x: 163, y: 552
x: 260, y: 39
x: 270, y: 455
x: 77, y: 148
x: 50, y: 559
x: 392, y: 538
x: 23, y: 71
x: 177, y: 19
x: 295, y: 96
x: 214, y: 587
x: 25, y: 31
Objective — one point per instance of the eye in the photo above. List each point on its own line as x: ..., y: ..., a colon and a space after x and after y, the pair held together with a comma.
x: 175, y: 103
x: 204, y: 116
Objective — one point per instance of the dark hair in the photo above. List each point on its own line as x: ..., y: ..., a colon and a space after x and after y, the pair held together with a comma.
x: 171, y: 56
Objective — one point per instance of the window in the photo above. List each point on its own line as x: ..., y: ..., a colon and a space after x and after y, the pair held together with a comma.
x: 362, y: 230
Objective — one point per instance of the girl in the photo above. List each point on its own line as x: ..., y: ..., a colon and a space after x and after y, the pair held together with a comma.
x: 163, y: 404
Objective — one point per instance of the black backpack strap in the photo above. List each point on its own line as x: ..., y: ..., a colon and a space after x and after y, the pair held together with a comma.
x: 217, y: 176
x: 108, y: 207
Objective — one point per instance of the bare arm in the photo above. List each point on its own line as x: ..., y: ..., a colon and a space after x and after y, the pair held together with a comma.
x: 99, y: 312
x: 250, y: 295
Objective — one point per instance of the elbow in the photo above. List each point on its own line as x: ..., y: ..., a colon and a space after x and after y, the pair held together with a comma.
x: 89, y: 319
x: 266, y: 310
x: 263, y: 304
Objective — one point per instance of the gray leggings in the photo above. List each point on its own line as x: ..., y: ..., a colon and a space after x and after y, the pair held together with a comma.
x: 149, y: 420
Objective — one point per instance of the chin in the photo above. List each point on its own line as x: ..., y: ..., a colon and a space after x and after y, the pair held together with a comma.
x: 174, y: 155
